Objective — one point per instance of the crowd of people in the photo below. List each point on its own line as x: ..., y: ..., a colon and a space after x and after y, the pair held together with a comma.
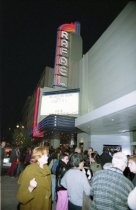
x: 74, y: 179
x: 19, y: 158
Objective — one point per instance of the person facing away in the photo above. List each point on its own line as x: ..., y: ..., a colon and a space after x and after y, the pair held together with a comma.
x: 78, y: 150
x: 62, y: 197
x: 105, y: 156
x: 53, y: 162
x: 132, y: 194
x: 34, y: 190
x: 76, y: 182
x: 109, y: 187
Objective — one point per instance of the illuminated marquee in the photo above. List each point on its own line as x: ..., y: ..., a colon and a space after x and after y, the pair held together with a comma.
x: 36, y: 132
x: 62, y: 53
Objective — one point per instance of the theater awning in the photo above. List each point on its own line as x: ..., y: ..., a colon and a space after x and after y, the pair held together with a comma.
x: 59, y: 123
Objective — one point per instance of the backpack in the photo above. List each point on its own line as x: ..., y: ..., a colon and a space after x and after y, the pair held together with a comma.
x: 54, y: 166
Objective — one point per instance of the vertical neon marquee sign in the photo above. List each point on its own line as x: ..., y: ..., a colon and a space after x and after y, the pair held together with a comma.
x: 62, y: 52
x: 36, y: 132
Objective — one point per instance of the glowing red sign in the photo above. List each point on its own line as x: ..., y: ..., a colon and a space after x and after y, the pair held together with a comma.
x: 36, y: 132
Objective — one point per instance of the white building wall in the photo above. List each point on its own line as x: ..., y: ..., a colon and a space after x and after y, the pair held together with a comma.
x: 108, y: 72
x: 109, y: 67
x: 97, y: 142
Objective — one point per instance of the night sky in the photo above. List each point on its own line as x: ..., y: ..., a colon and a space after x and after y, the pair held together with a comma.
x: 28, y: 42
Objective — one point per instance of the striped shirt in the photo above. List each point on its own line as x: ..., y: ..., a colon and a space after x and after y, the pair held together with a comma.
x: 110, y: 189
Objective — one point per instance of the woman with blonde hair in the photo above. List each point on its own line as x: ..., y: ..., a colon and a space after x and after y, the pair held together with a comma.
x: 34, y: 191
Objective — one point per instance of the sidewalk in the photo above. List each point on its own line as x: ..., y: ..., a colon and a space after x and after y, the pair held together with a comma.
x: 8, y: 193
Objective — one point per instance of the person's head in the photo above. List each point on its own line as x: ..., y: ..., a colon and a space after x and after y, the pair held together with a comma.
x: 3, y: 144
x: 64, y: 157
x: 90, y: 151
x: 76, y: 160
x: 119, y: 160
x: 132, y: 163
x: 105, y: 150
x: 40, y: 154
x: 96, y: 157
x: 78, y: 150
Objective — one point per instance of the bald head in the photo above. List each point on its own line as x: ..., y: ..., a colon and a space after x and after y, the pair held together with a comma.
x: 119, y: 161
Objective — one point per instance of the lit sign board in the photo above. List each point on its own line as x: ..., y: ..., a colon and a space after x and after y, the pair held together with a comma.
x: 63, y: 103
x: 36, y: 132
x: 62, y: 53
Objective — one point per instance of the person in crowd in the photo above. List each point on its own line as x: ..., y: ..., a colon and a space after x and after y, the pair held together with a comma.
x: 109, y: 187
x: 128, y: 173
x: 132, y: 194
x: 78, y: 150
x: 88, y: 157
x: 76, y: 182
x: 105, y: 156
x: 132, y: 167
x: 53, y: 163
x: 14, y: 159
x: 95, y: 162
x: 34, y: 191
x: 132, y: 199
x: 21, y: 164
x: 2, y: 146
x: 88, y: 172
x: 92, y: 160
x: 62, y: 197
x: 27, y: 157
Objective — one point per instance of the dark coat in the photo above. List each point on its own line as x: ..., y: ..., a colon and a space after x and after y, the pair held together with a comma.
x: 105, y: 158
x: 60, y: 171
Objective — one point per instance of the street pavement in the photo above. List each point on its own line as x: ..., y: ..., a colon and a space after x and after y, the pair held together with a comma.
x: 8, y: 193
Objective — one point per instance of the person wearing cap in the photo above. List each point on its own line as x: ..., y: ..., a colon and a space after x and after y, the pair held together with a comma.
x: 110, y: 188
